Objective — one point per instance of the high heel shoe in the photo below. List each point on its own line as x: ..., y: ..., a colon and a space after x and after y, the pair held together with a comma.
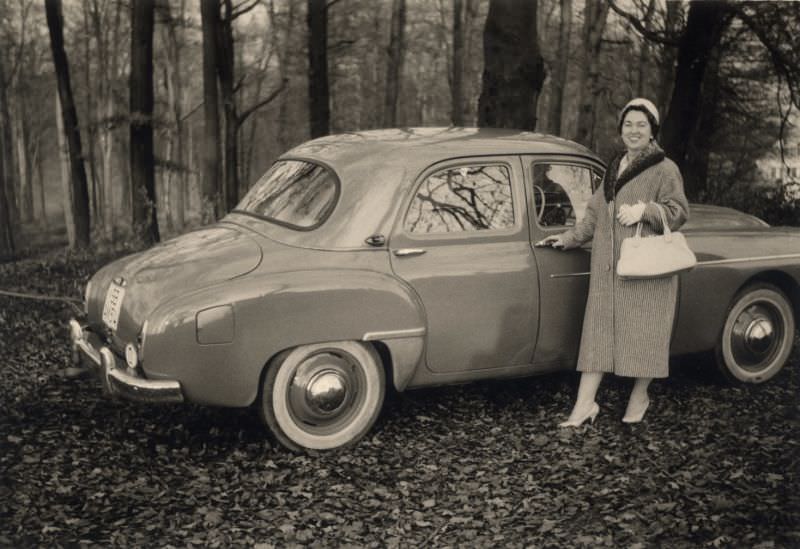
x: 631, y: 418
x: 590, y: 415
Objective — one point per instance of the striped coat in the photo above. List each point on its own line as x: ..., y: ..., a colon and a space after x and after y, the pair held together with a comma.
x: 628, y: 323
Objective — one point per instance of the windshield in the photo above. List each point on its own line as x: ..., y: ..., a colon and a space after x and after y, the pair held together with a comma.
x: 294, y: 193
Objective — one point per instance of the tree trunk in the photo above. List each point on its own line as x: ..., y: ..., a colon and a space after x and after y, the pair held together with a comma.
x: 94, y: 193
x: 394, y: 67
x: 174, y: 83
x: 142, y: 160
x: 107, y: 38
x: 210, y: 195
x: 67, y: 191
x: 457, y: 81
x: 24, y: 162
x: 6, y: 222
x: 704, y: 25
x: 101, y: 135
x: 698, y: 153
x: 643, y: 66
x: 666, y: 68
x: 6, y: 228
x: 11, y: 174
x: 79, y: 196
x: 38, y: 162
x: 513, y: 66
x: 285, y: 54
x: 594, y: 23
x: 225, y: 70
x: 318, y: 93
x: 559, y: 79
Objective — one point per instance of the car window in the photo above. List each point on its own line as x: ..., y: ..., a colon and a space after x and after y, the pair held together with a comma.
x: 294, y: 193
x: 561, y: 193
x: 463, y: 198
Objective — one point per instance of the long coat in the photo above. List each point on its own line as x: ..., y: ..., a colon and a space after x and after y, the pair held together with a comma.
x: 628, y: 323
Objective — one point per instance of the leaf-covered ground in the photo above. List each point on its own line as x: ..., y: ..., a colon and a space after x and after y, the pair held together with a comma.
x: 476, y: 465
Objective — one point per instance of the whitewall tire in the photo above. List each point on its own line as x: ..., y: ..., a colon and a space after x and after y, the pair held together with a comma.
x: 323, y: 396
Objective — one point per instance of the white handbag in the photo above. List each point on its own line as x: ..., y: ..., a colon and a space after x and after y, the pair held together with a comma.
x: 654, y: 256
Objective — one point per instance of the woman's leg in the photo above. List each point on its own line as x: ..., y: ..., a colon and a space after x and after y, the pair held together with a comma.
x: 587, y: 390
x: 638, y: 401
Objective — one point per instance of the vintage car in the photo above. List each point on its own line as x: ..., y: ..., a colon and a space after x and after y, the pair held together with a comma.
x: 404, y: 258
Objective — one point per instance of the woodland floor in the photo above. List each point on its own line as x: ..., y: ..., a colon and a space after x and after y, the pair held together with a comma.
x: 476, y: 465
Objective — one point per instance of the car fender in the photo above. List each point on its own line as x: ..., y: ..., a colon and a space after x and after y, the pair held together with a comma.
x: 271, y: 312
x: 728, y: 261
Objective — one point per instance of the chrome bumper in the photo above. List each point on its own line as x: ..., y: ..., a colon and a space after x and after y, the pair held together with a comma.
x: 116, y: 377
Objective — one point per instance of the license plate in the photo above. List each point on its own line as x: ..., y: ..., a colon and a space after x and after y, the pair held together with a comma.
x: 113, y: 305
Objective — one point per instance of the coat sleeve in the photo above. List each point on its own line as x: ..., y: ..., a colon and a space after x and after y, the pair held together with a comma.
x: 583, y: 231
x: 671, y: 197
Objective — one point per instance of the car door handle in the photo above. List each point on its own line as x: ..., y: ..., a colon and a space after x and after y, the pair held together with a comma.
x: 403, y: 252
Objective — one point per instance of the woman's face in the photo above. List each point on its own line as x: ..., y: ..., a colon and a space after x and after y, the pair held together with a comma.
x: 636, y: 131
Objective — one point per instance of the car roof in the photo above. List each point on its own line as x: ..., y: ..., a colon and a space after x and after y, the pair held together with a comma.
x: 416, y: 146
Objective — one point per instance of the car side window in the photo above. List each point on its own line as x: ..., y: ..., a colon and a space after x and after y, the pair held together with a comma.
x: 462, y: 198
x: 561, y: 193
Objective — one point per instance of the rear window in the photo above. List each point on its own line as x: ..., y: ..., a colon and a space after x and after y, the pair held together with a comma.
x: 294, y: 193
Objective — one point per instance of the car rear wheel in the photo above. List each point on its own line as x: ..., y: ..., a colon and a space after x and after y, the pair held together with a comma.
x: 757, y: 336
x: 323, y: 396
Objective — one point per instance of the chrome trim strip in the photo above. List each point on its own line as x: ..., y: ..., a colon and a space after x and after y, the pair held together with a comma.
x: 707, y: 263
x: 747, y: 259
x: 394, y: 334
x: 568, y: 275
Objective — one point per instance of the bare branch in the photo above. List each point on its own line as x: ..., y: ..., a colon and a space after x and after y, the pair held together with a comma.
x: 330, y: 4
x: 275, y: 93
x: 243, y: 8
x: 653, y: 36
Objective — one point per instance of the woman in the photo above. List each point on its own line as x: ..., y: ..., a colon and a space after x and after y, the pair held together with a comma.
x: 628, y: 323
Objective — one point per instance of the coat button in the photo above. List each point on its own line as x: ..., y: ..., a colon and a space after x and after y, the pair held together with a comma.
x: 608, y: 267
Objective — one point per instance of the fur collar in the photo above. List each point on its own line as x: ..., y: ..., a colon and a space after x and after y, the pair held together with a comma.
x: 649, y: 157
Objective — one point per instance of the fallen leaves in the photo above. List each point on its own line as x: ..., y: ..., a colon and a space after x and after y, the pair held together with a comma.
x: 476, y: 465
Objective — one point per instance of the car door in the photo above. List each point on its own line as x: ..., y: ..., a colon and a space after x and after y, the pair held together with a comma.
x: 558, y: 190
x: 462, y: 243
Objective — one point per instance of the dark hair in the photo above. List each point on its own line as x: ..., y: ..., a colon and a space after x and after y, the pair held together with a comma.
x: 650, y: 118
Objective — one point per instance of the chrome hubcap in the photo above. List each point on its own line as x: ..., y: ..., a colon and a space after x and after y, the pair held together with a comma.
x: 326, y: 390
x: 756, y: 336
x: 759, y: 335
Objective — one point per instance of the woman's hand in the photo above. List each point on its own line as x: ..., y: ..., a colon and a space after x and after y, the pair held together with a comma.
x: 554, y: 241
x: 629, y: 215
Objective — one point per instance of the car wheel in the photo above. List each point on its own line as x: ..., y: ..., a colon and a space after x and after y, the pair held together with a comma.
x: 757, y: 336
x: 323, y: 396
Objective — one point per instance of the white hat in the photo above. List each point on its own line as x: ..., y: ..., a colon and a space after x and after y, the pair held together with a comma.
x: 643, y: 103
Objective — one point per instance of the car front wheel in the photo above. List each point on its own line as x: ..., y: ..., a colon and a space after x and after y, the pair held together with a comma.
x: 757, y: 336
x: 323, y: 396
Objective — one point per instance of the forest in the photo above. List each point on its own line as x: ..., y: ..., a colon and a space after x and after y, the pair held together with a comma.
x: 128, y: 122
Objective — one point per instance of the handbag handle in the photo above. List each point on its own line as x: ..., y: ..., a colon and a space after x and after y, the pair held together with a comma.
x: 667, y: 231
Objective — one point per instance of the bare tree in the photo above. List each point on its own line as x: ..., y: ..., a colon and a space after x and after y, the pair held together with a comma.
x: 704, y: 25
x: 318, y: 91
x: 79, y: 195
x: 142, y: 159
x: 394, y: 67
x: 559, y: 76
x: 594, y: 23
x: 175, y: 98
x: 457, y: 80
x: 513, y: 66
x: 211, y: 169
x: 6, y: 225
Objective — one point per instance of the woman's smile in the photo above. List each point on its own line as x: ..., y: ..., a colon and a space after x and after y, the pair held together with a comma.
x: 636, y: 131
